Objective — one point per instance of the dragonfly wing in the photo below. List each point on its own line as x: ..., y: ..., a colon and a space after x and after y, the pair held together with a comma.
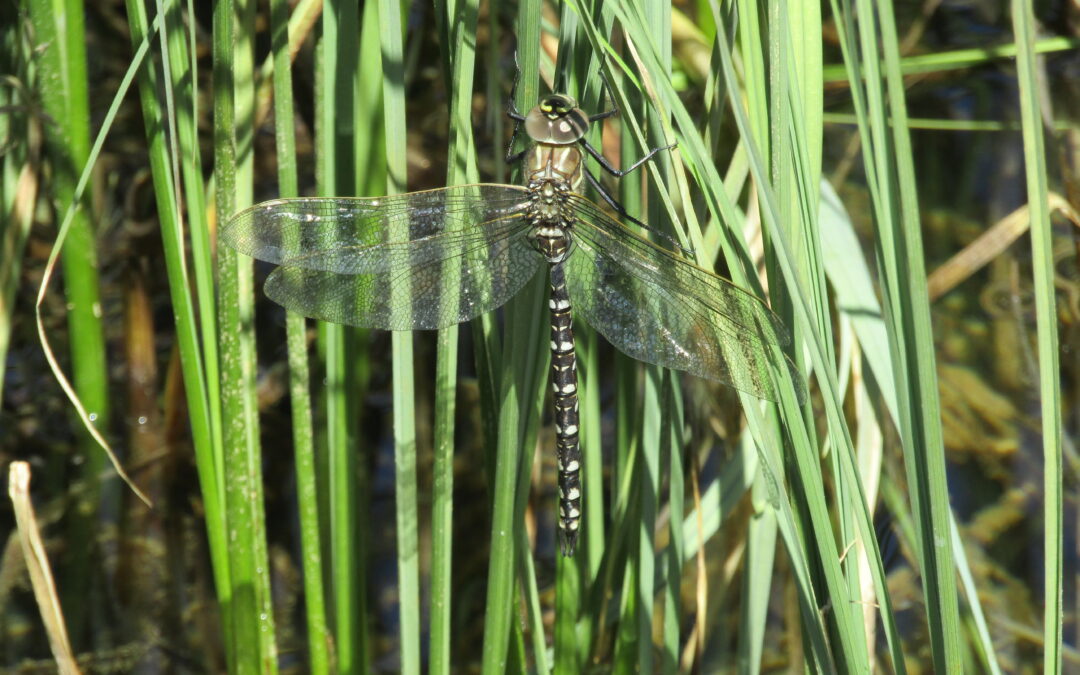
x: 423, y: 284
x: 661, y: 309
x: 417, y: 260
x: 283, y: 229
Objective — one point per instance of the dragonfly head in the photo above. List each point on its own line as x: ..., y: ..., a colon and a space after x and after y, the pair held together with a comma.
x: 556, y: 120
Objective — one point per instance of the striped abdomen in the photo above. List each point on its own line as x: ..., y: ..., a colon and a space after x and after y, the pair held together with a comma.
x: 564, y: 384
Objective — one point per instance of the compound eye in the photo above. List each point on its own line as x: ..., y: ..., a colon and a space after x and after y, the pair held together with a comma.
x: 556, y: 120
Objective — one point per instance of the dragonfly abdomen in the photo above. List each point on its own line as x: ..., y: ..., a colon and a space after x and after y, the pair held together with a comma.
x: 564, y: 384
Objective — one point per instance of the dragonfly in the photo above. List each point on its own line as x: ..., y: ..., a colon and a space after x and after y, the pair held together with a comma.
x: 435, y: 258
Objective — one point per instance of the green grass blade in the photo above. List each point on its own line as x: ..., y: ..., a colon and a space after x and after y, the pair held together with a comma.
x: 568, y: 658
x: 673, y: 447
x: 401, y: 346
x: 656, y: 432
x: 984, y: 645
x: 185, y: 72
x: 1042, y: 253
x: 757, y: 584
x: 244, y: 72
x: 337, y: 102
x: 519, y: 378
x: 207, y: 452
x: 628, y: 632
x: 459, y: 38
x: 911, y: 315
x: 936, y: 62
x: 648, y: 495
x: 529, y: 416
x: 532, y: 606
x: 58, y: 28
x: 318, y: 636
x: 253, y: 648
x: 62, y: 63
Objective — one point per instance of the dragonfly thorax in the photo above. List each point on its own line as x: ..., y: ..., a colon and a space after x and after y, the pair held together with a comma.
x: 550, y: 217
x: 554, y: 163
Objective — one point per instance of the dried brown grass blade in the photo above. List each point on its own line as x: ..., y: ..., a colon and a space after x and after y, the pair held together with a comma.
x: 37, y: 563
x: 989, y: 245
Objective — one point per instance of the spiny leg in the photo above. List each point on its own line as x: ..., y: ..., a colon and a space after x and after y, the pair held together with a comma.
x: 621, y: 210
x: 619, y: 173
x: 610, y: 168
x: 605, y: 90
x: 564, y: 384
x: 513, y: 113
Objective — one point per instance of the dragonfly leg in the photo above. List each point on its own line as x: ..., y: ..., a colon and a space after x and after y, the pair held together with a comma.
x: 603, y: 115
x: 619, y: 173
x: 621, y: 210
x: 513, y: 113
x: 604, y: 90
x: 511, y: 105
x: 611, y: 201
x: 564, y: 384
x: 511, y: 156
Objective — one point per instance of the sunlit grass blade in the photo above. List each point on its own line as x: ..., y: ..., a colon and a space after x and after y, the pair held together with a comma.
x: 244, y: 70
x: 759, y: 558
x: 939, y: 61
x: 208, y: 458
x: 658, y: 392
x: 518, y: 377
x: 673, y: 454
x: 1042, y: 253
x: 253, y: 623
x: 338, y: 109
x: 303, y: 433
x: 402, y: 349
x: 458, y: 40
x: 653, y: 412
x: 908, y: 310
x: 184, y: 61
x: 61, y: 64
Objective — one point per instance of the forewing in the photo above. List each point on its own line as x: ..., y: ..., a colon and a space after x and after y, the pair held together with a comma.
x: 434, y: 283
x: 283, y: 229
x: 662, y: 309
x: 411, y: 261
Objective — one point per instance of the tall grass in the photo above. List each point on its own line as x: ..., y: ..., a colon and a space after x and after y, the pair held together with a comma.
x: 789, y: 502
x: 1031, y: 116
x: 303, y: 438
x: 65, y: 99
